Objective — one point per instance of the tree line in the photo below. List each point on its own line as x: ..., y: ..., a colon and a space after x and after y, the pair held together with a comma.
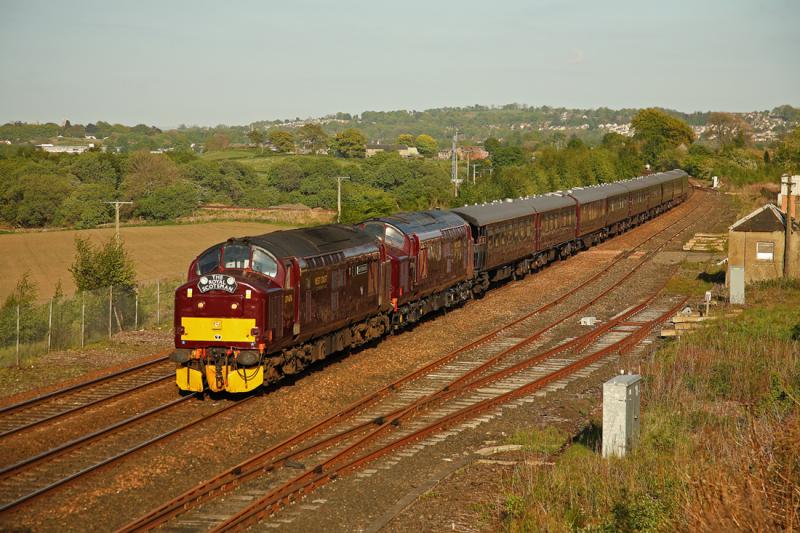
x: 39, y: 189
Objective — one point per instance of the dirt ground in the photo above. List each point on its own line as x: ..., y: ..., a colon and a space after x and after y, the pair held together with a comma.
x: 158, y: 252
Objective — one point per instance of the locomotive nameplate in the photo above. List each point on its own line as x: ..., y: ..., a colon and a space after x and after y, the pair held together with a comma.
x: 217, y: 282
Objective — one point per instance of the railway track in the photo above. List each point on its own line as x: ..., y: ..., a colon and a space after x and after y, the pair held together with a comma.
x: 54, y: 405
x: 450, y: 407
x: 264, y: 487
x: 38, y: 475
x: 461, y: 367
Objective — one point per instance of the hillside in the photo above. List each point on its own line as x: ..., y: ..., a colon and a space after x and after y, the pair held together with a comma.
x: 511, y: 122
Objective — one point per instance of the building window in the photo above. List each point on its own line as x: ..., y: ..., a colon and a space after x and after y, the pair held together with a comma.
x: 765, y: 251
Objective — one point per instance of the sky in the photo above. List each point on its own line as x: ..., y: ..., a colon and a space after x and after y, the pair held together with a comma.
x: 199, y: 62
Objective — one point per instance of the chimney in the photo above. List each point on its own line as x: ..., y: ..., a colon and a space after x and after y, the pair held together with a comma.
x: 789, y: 186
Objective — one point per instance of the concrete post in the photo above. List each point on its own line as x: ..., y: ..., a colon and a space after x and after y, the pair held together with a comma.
x: 620, y: 415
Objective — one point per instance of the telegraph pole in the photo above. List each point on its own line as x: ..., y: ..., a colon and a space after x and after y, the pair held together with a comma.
x: 454, y: 165
x: 339, y: 197
x: 116, y: 214
x: 787, y: 247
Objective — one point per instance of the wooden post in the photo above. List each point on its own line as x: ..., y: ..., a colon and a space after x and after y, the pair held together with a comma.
x: 83, y: 318
x: 110, y: 303
x: 158, y: 302
x: 136, y: 312
x: 50, y: 326
x: 17, y: 334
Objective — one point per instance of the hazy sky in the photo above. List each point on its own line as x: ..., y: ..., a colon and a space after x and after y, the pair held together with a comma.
x: 203, y: 62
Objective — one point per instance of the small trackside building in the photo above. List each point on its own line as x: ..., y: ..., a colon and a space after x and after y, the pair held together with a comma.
x: 756, y: 244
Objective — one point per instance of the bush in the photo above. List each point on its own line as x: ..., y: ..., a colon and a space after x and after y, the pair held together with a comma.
x: 97, y: 267
x: 168, y: 203
x: 32, y: 322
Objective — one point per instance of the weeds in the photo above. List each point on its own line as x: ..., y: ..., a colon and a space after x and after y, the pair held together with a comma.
x: 720, y: 444
x: 544, y: 441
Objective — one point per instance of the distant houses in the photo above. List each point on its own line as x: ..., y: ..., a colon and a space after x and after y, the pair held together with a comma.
x: 406, y: 152
x: 473, y: 153
x: 64, y: 149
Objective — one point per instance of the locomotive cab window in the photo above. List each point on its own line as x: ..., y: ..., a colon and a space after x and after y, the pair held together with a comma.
x: 208, y: 262
x: 264, y: 263
x: 236, y: 256
x: 395, y: 238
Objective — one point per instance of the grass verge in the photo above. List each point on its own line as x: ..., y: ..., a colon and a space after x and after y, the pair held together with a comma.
x: 720, y: 446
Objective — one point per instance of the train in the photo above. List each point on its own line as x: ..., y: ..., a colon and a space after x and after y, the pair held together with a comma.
x: 256, y: 309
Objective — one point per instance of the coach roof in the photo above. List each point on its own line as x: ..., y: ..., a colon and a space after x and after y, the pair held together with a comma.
x: 592, y: 194
x: 494, y: 212
x: 549, y: 202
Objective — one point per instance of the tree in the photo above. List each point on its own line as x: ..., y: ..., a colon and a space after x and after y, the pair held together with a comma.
x: 491, y: 145
x: 97, y: 267
x: 32, y: 200
x: 286, y: 176
x: 405, y: 139
x: 787, y: 154
x: 256, y: 137
x: 508, y: 156
x: 426, y: 145
x: 85, y: 206
x: 659, y: 131
x: 93, y: 167
x: 218, y: 141
x: 312, y: 137
x: 282, y: 141
x: 349, y: 143
x: 729, y: 129
x: 170, y: 202
x: 145, y: 173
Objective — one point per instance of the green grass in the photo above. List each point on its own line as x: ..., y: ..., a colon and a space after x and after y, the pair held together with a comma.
x: 543, y: 441
x: 694, y: 279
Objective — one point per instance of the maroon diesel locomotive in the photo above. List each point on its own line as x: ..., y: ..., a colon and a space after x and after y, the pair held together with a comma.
x: 257, y: 308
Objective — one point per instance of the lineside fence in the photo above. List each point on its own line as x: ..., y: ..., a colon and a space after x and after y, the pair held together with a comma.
x: 28, y: 330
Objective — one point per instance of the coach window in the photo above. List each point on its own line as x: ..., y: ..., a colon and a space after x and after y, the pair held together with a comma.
x: 208, y: 262
x: 264, y: 263
x: 236, y: 256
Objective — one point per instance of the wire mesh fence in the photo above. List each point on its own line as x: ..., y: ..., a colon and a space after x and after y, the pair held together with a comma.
x: 28, y: 330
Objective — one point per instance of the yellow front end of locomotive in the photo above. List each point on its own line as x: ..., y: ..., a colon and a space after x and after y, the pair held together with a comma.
x: 189, y: 379
x: 218, y: 329
x: 235, y: 380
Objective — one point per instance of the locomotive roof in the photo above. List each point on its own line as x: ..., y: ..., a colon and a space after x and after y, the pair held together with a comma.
x: 422, y: 221
x: 310, y: 242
